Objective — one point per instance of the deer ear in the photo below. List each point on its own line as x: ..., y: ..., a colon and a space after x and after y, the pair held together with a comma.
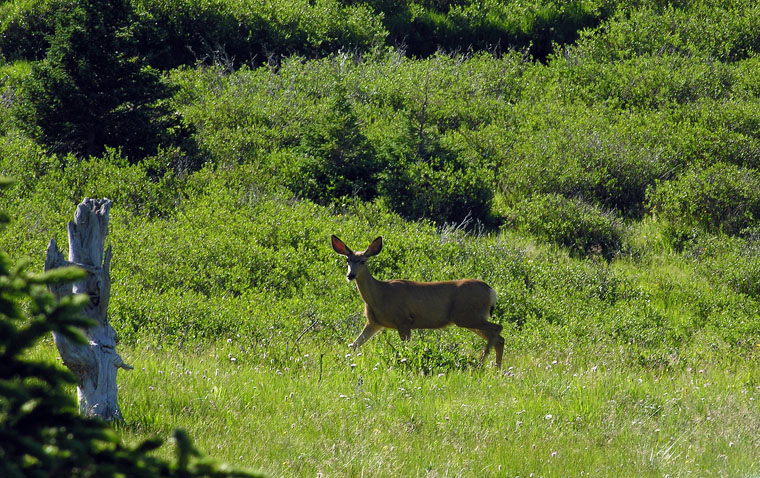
x: 374, y: 248
x: 339, y: 247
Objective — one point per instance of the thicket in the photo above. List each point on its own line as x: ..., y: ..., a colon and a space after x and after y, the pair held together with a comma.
x: 645, y: 131
x: 182, y: 32
x: 641, y: 98
x: 579, y: 226
x: 720, y: 198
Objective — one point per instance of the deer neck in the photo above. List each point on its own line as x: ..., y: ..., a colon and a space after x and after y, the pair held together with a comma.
x: 368, y: 288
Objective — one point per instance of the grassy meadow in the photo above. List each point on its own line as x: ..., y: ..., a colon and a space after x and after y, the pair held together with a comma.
x: 596, y: 162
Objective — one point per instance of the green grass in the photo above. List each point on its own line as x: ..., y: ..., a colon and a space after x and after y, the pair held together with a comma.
x: 547, y: 413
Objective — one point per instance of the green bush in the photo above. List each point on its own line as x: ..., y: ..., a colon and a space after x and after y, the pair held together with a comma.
x: 334, y: 157
x: 24, y: 160
x: 646, y: 81
x: 24, y: 28
x: 732, y: 261
x: 573, y: 223
x: 723, y: 30
x: 424, y: 27
x: 721, y: 198
x: 442, y: 193
x: 598, y: 154
x: 235, y: 32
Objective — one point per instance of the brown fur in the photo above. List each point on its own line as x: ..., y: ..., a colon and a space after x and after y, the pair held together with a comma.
x: 404, y: 305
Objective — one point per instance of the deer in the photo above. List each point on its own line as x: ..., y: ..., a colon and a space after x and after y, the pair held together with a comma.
x: 404, y: 305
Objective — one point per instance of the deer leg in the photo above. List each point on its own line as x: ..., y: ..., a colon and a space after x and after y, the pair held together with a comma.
x: 491, y: 333
x: 499, y: 346
x: 369, y: 330
x: 405, y: 334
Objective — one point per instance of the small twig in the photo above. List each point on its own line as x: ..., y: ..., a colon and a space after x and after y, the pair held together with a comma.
x: 311, y: 326
x: 320, y: 368
x: 387, y: 340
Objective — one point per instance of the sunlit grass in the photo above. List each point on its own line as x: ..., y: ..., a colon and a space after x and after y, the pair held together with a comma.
x: 546, y: 415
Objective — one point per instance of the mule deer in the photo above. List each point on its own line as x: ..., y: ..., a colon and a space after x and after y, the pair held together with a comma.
x: 405, y: 305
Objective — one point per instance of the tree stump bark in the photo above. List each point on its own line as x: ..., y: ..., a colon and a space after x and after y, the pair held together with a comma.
x: 95, y: 364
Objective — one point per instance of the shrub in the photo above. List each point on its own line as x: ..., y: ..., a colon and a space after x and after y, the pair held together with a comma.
x: 726, y: 31
x: 184, y: 32
x: 573, y: 223
x: 24, y: 28
x: 430, y: 26
x: 441, y: 192
x: 721, y: 198
x: 730, y: 261
x: 24, y: 160
x: 335, y: 158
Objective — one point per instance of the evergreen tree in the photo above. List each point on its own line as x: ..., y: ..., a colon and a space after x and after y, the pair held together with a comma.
x: 92, y: 90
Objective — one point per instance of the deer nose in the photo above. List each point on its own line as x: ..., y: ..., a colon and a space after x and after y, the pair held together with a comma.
x: 351, y: 276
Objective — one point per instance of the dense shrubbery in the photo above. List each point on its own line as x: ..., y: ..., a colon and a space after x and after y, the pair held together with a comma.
x: 721, y: 198
x: 442, y: 192
x: 722, y: 30
x: 372, y: 129
x: 573, y: 223
x: 303, y: 146
x: 443, y: 137
x: 25, y: 27
x: 425, y: 27
x: 182, y: 32
x: 333, y: 158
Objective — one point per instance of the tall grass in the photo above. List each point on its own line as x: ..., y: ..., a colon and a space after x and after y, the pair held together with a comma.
x: 330, y: 413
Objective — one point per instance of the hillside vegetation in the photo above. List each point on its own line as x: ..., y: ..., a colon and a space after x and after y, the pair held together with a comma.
x: 596, y: 162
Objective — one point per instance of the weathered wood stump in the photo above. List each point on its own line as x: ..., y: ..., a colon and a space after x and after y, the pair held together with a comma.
x: 95, y: 364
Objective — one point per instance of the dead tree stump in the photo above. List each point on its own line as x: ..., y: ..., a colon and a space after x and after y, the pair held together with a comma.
x: 95, y: 363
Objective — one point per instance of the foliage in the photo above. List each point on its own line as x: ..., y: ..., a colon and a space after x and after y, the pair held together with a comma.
x: 573, y: 223
x: 721, y: 198
x: 437, y: 190
x: 725, y: 31
x: 24, y: 28
x: 334, y: 157
x: 424, y: 27
x: 91, y: 91
x: 42, y: 433
x: 182, y: 32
